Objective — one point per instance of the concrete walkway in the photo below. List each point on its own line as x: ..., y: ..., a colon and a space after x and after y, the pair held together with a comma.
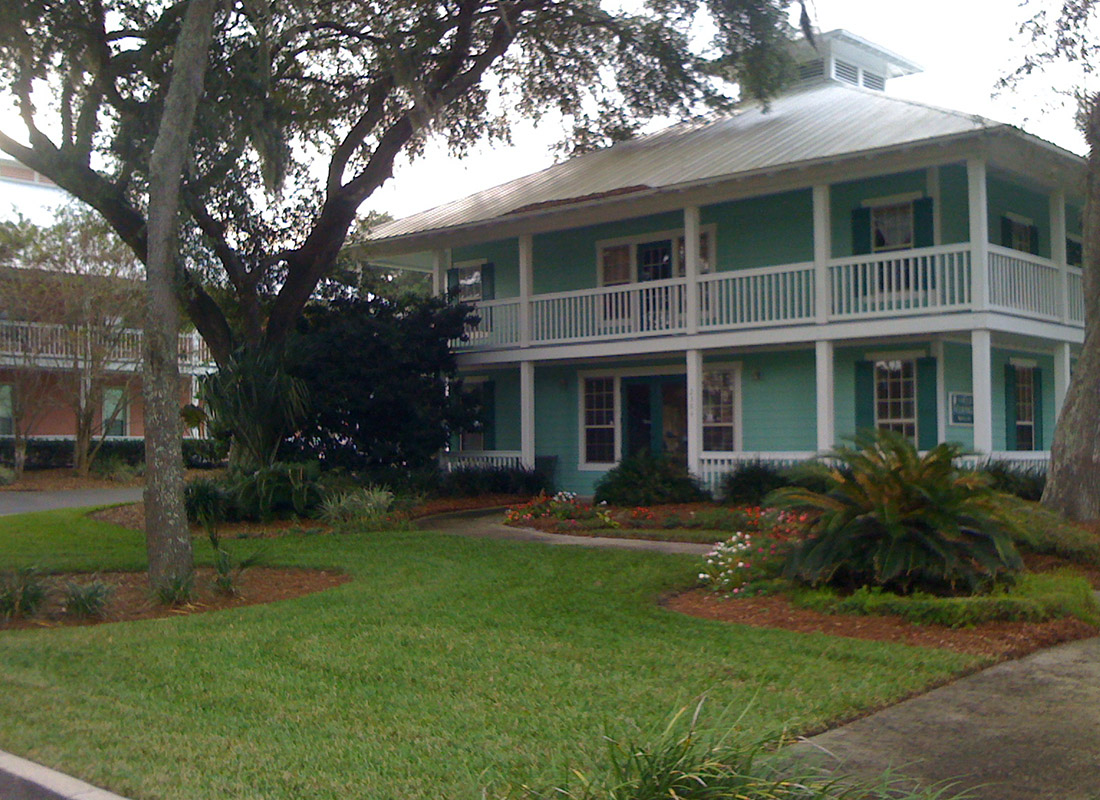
x: 23, y: 502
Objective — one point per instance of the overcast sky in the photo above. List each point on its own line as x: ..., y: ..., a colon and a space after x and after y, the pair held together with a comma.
x: 964, y: 46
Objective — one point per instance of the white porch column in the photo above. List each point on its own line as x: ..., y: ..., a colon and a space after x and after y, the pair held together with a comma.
x: 441, y: 262
x: 1058, y: 250
x: 823, y: 251
x: 695, y: 411
x: 979, y: 234
x: 526, y: 282
x: 981, y: 365
x: 527, y: 413
x: 826, y: 413
x: 1061, y: 376
x: 691, y: 266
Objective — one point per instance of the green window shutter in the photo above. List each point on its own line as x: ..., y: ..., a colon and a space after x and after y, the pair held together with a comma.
x: 923, y: 228
x: 865, y: 396
x: 1006, y: 232
x: 1033, y: 237
x: 861, y: 231
x: 488, y: 281
x: 1037, y: 376
x: 489, y: 414
x: 452, y: 281
x: 1010, y: 407
x: 927, y: 413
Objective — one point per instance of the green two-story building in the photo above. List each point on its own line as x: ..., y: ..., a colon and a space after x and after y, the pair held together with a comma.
x: 762, y: 285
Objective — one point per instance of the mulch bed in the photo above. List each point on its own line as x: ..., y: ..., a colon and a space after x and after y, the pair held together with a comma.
x: 994, y: 640
x: 130, y: 597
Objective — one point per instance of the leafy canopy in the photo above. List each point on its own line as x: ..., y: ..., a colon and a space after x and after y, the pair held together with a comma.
x: 308, y: 103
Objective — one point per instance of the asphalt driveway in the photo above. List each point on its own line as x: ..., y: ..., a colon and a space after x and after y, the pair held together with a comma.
x: 23, y: 502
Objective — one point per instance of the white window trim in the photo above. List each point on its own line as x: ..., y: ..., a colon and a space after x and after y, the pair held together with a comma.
x: 618, y: 373
x: 710, y: 230
x: 738, y: 409
x: 892, y: 199
x: 1018, y: 218
x: 1023, y: 362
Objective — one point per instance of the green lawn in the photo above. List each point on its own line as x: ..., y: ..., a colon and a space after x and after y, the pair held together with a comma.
x: 447, y: 665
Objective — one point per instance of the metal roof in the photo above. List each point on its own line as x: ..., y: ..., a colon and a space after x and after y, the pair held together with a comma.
x: 819, y: 123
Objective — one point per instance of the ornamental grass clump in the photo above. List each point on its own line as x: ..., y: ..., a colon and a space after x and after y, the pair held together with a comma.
x: 22, y: 593
x: 86, y: 600
x: 893, y: 518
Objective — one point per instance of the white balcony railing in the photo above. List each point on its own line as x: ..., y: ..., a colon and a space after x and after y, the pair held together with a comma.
x: 929, y: 280
x: 1023, y: 282
x: 44, y: 344
x: 470, y: 459
x: 911, y: 281
x: 757, y: 297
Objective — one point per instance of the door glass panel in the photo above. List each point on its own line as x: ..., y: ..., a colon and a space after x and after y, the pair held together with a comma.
x: 655, y: 260
x: 639, y: 418
x: 674, y: 419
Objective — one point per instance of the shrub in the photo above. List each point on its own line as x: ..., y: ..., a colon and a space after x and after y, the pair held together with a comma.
x: 751, y: 482
x: 895, y: 519
x: 686, y: 763
x: 645, y: 480
x: 1034, y: 598
x: 175, y: 591
x: 366, y: 505
x: 475, y: 481
x: 563, y: 507
x: 204, y: 453
x: 276, y: 490
x: 1025, y: 482
x: 206, y: 502
x: 88, y: 600
x: 22, y: 593
x: 743, y: 564
x: 116, y: 468
x: 7, y: 476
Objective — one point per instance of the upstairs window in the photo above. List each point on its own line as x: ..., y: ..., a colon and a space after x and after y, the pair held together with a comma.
x: 652, y: 257
x: 892, y: 227
x: 471, y: 282
x: 887, y: 224
x: 1019, y: 233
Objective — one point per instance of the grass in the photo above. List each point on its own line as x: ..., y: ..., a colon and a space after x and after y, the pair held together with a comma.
x: 447, y: 665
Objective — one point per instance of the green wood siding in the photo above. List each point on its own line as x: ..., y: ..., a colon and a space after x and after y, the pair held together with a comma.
x: 843, y: 197
x: 957, y: 378
x: 779, y: 400
x: 763, y: 231
x: 1006, y: 197
x: 954, y: 204
x: 566, y: 260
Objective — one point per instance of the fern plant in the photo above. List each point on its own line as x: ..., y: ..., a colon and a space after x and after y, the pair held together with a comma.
x: 893, y: 518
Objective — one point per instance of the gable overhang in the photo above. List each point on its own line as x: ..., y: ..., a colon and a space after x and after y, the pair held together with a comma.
x: 1008, y: 149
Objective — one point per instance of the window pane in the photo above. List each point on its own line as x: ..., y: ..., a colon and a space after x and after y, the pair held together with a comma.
x: 892, y: 226
x: 616, y: 265
x: 469, y: 283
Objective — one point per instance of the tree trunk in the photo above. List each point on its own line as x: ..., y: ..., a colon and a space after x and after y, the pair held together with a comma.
x: 1073, y: 484
x: 167, y: 537
x: 19, y: 454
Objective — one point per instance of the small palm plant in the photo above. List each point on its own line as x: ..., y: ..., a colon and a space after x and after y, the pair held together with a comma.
x: 892, y: 518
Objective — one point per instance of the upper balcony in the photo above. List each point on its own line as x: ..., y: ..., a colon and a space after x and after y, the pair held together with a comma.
x: 924, y: 281
x: 53, y: 346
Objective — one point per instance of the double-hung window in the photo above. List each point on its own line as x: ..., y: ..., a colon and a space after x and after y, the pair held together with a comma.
x: 720, y: 410
x: 7, y: 410
x: 115, y: 422
x: 650, y: 257
x: 599, y: 420
x: 896, y: 397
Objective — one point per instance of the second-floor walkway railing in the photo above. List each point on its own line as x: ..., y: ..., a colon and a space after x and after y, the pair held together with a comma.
x: 923, y: 281
x: 53, y: 345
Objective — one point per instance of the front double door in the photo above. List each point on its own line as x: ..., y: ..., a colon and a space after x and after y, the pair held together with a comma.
x: 655, y: 418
